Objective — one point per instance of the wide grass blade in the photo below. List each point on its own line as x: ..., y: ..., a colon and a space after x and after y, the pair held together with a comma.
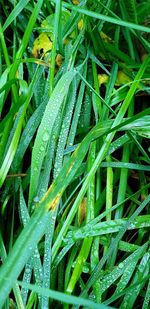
x: 45, y: 130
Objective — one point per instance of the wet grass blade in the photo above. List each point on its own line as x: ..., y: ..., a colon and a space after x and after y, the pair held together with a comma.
x: 45, y: 130
x: 64, y: 297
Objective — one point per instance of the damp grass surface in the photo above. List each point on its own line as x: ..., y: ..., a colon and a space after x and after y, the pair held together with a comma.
x: 74, y: 154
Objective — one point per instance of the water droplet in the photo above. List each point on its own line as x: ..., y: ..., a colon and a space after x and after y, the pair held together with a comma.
x: 45, y: 137
x: 42, y: 148
x: 36, y: 199
x: 121, y: 265
x: 32, y: 207
x: 28, y: 270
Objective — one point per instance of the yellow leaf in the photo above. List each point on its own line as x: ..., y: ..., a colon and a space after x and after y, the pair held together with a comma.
x: 76, y: 2
x: 41, y: 46
x: 82, y: 211
x: 103, y: 79
x: 122, y: 78
x: 105, y: 37
x: 59, y: 59
x: 80, y: 24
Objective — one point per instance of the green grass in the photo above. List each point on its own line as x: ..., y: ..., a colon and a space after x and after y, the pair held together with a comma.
x: 74, y: 154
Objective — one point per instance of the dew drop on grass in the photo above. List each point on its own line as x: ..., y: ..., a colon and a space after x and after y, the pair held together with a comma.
x: 132, y: 226
x: 45, y: 137
x: 32, y: 207
x: 42, y: 148
x: 28, y: 270
x: 36, y: 199
x: 121, y: 265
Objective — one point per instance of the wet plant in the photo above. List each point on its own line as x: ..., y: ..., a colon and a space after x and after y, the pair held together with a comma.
x: 74, y: 154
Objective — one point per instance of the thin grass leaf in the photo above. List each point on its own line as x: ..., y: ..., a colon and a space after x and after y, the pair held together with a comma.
x: 147, y: 297
x: 30, y: 130
x: 25, y: 39
x: 126, y: 290
x: 131, y: 166
x: 3, y: 80
x: 62, y: 297
x: 104, y: 228
x: 106, y: 18
x: 86, y: 245
x: 15, y: 12
x: 55, y: 40
x: 71, y: 137
x: 65, y: 128
x: 15, y: 140
x: 130, y: 6
x: 35, y: 259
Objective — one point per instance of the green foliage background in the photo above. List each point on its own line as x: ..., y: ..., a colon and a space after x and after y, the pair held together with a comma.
x: 74, y: 154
